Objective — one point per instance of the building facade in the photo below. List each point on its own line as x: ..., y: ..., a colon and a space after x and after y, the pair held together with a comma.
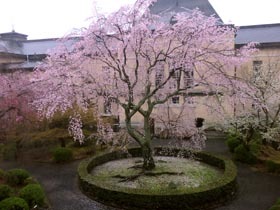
x: 19, y: 53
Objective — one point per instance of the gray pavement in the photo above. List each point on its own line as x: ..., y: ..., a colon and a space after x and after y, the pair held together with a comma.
x: 257, y: 191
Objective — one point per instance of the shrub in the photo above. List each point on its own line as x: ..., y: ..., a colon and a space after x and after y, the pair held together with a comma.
x: 233, y: 141
x: 33, y: 194
x: 46, y: 138
x: 30, y: 180
x: 5, y: 191
x: 62, y: 154
x: 255, y: 147
x: 276, y: 206
x: 16, y: 176
x: 60, y: 120
x: 272, y: 166
x: 13, y: 203
x: 244, y: 155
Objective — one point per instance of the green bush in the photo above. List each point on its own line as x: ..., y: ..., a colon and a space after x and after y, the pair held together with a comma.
x: 13, y: 203
x: 276, y: 206
x: 5, y: 191
x: 33, y: 194
x: 255, y: 148
x: 16, y: 176
x: 30, y: 180
x: 62, y: 154
x: 233, y: 141
x: 46, y: 138
x: 244, y: 155
x: 61, y: 119
x: 278, y: 202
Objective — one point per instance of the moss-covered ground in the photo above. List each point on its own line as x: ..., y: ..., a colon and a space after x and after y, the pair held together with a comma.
x: 171, y: 173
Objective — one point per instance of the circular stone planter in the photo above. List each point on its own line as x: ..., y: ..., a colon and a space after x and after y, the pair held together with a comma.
x: 219, y: 192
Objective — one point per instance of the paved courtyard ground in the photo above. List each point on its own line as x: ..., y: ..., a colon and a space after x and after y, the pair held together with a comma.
x: 257, y: 191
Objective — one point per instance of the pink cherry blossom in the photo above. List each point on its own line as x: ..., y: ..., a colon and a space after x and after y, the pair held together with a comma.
x: 117, y: 58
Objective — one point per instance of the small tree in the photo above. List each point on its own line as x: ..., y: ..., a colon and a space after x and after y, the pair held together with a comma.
x: 15, y: 98
x: 117, y: 58
x: 259, y: 110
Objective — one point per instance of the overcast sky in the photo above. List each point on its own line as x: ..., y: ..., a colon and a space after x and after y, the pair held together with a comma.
x: 55, y: 18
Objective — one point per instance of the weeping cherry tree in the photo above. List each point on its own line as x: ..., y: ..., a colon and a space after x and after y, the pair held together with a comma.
x: 118, y: 56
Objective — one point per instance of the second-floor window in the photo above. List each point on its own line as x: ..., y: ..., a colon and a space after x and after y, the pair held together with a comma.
x: 159, y: 74
x: 181, y: 75
x: 257, y: 67
x: 175, y: 79
x: 107, y: 106
x: 188, y: 78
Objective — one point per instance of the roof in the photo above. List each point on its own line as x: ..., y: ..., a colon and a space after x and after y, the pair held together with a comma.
x: 263, y: 34
x: 31, y: 47
x: 9, y: 46
x: 13, y: 36
x: 174, y: 6
x: 40, y: 46
x: 31, y: 50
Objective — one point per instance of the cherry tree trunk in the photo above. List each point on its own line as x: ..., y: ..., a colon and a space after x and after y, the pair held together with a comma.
x: 147, y: 154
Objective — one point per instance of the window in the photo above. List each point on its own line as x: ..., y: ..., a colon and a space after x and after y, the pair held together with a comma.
x: 173, y: 20
x: 175, y: 74
x: 175, y: 100
x: 159, y: 74
x: 180, y: 72
x: 188, y: 78
x: 257, y: 66
x: 107, y: 106
x: 176, y: 78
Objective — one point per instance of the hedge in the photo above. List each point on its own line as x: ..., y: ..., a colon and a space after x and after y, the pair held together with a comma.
x: 33, y: 194
x: 210, y: 197
x: 13, y: 203
x: 244, y: 155
x: 5, y: 191
x: 16, y: 176
x: 62, y: 154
